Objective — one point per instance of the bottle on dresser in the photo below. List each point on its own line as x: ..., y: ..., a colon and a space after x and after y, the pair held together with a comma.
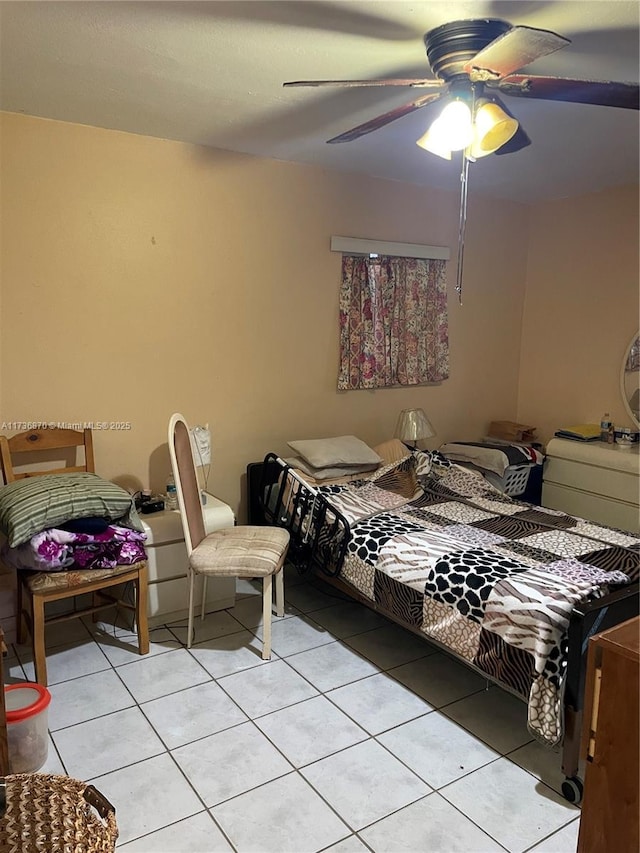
x: 607, y: 432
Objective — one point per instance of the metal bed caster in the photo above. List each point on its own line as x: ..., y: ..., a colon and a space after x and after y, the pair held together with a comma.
x: 572, y: 790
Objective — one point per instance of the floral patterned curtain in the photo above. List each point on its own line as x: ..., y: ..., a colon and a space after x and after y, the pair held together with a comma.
x: 394, y: 328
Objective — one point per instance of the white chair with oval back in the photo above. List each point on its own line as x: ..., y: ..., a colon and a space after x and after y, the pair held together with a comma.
x: 245, y: 551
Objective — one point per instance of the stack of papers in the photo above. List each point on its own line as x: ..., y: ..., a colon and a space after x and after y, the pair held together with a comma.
x: 580, y: 432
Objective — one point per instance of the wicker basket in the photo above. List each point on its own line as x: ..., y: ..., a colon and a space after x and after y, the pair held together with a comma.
x: 55, y: 814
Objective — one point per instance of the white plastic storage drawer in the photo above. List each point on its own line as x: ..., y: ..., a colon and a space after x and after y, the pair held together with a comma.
x: 168, y: 563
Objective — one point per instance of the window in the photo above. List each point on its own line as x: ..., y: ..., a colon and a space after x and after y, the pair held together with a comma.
x: 394, y: 328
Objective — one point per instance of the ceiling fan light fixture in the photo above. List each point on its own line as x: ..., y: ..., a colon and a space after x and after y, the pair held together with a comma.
x: 493, y: 127
x: 455, y: 124
x: 434, y: 141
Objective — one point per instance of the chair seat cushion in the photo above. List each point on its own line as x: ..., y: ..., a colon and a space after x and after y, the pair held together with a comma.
x: 45, y: 581
x: 244, y: 551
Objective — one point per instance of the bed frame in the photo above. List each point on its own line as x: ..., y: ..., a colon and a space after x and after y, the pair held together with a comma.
x: 319, y: 540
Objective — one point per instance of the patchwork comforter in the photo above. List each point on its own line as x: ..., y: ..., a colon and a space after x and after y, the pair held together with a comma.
x: 492, y: 578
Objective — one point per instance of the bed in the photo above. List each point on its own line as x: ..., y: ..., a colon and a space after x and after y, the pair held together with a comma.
x: 509, y: 588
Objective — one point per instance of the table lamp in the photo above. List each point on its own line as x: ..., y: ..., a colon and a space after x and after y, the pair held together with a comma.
x: 413, y: 426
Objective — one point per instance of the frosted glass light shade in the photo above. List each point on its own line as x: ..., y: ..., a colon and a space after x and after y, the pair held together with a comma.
x: 493, y: 127
x: 434, y: 141
x: 457, y: 127
x: 413, y: 425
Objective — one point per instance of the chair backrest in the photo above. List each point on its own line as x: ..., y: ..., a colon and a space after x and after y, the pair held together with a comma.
x: 41, y: 440
x: 186, y: 477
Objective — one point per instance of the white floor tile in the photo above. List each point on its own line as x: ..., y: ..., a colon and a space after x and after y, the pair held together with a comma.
x: 432, y: 825
x: 563, y: 841
x: 124, y: 647
x: 347, y: 619
x: 94, y: 718
x: 509, y: 804
x: 364, y: 783
x: 495, y: 716
x: 13, y: 671
x: 292, y: 576
x: 233, y: 653
x: 437, y: 749
x: 192, y: 714
x: 63, y: 633
x: 390, y: 646
x: 543, y: 761
x: 248, y: 611
x: 65, y: 662
x: 197, y: 834
x: 309, y: 597
x: 53, y: 764
x: 439, y: 679
x: 150, y: 678
x: 378, y: 703
x: 217, y: 624
x: 295, y: 730
x: 332, y: 666
x: 264, y: 689
x: 108, y: 743
x: 111, y: 623
x: 87, y: 697
x: 148, y: 796
x: 248, y: 586
x: 289, y: 636
x: 284, y: 816
x: 230, y: 762
x: 352, y: 844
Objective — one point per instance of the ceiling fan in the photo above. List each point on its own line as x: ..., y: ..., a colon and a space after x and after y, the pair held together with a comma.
x: 474, y: 63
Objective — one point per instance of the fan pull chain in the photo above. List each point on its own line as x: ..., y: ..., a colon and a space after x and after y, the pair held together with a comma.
x: 464, y: 180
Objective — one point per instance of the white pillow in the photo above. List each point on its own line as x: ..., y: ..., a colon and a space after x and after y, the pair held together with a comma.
x: 344, y: 451
x: 329, y: 473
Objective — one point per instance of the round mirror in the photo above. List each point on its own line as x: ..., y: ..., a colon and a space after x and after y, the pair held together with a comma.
x: 630, y: 380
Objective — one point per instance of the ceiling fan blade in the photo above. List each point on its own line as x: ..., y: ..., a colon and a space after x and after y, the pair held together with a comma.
x: 513, y: 50
x: 385, y: 118
x: 602, y: 93
x: 518, y: 141
x: 393, y: 81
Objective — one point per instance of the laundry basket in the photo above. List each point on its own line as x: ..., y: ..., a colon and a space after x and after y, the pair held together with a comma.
x: 56, y: 814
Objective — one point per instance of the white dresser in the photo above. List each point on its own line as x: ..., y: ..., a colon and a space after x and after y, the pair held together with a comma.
x: 593, y: 480
x: 167, y: 558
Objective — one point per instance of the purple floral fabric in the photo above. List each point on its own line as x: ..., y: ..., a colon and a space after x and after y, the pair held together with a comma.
x: 394, y: 328
x: 56, y: 550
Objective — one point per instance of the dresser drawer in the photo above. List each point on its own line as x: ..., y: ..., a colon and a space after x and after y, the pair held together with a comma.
x: 598, y: 480
x: 614, y: 513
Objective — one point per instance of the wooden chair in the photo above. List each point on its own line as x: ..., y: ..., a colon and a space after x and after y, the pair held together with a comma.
x: 37, y: 589
x: 245, y: 551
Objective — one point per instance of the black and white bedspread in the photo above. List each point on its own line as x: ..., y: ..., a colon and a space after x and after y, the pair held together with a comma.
x: 492, y: 578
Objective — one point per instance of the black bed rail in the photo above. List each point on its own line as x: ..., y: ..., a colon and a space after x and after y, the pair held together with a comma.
x: 589, y: 618
x: 319, y: 533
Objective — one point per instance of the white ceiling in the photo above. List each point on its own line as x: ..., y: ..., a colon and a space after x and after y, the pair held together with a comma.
x: 211, y: 73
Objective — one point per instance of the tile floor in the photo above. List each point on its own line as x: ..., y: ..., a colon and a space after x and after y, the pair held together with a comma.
x: 356, y: 736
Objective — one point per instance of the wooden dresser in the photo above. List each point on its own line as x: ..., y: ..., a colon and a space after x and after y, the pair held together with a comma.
x: 611, y: 743
x: 593, y: 480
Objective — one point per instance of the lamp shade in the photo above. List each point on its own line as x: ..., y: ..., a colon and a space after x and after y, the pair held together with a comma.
x: 413, y: 425
x: 493, y: 126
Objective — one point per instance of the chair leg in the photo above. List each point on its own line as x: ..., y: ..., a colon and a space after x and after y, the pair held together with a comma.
x: 142, y: 624
x: 266, y: 617
x: 192, y: 577
x: 204, y: 595
x: 37, y: 638
x: 280, y: 592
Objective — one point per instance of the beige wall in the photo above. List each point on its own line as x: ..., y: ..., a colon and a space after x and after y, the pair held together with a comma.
x: 142, y: 276
x: 581, y: 309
